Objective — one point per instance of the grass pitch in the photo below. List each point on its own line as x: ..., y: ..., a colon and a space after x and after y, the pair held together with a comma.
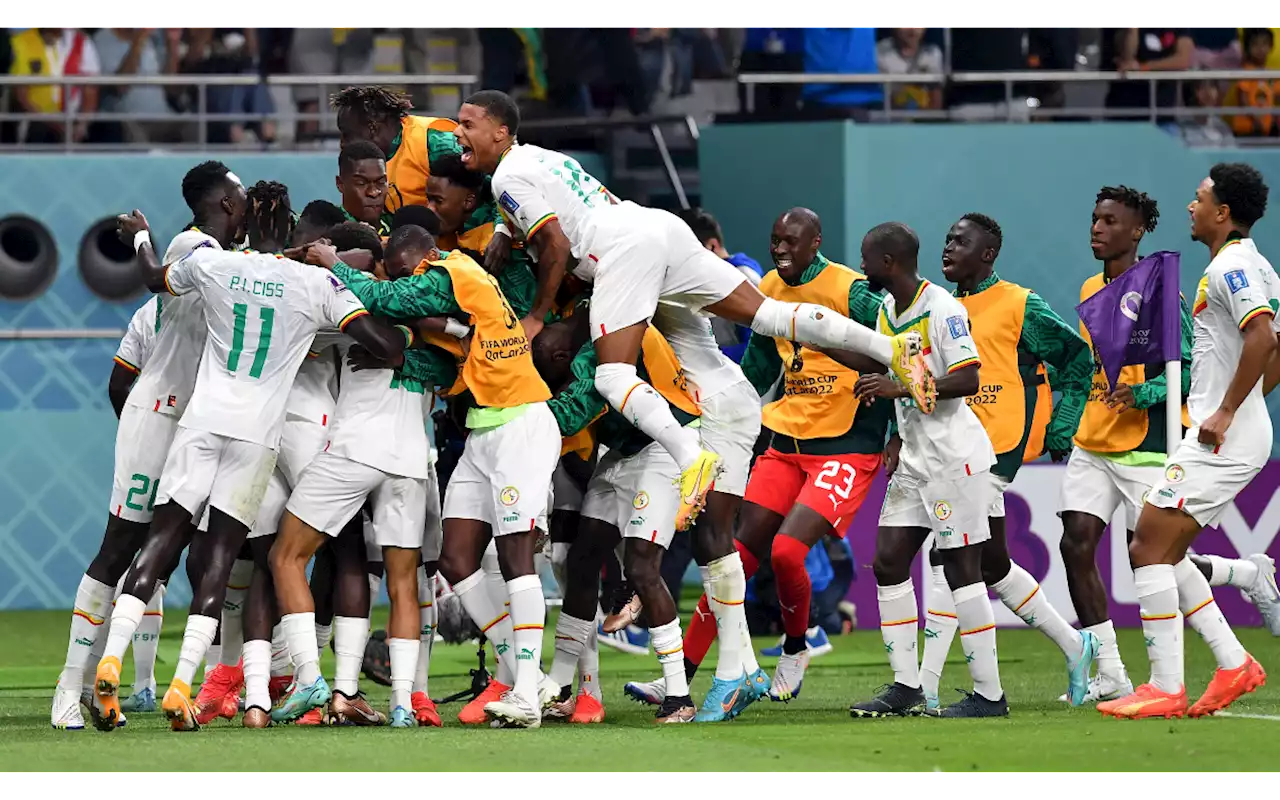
x: 811, y: 733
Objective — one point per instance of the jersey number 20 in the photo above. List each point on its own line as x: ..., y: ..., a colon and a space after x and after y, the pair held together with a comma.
x: 267, y: 316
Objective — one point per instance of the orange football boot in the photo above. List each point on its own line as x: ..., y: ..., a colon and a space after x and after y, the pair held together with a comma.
x: 1147, y: 701
x: 424, y: 710
x: 473, y: 713
x: 1228, y: 686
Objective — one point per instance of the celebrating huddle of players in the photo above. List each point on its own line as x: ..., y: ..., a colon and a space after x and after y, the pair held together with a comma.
x: 281, y: 416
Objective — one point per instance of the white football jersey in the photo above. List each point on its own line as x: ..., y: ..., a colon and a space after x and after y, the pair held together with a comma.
x: 167, y: 380
x: 951, y: 442
x: 313, y: 397
x: 534, y: 186
x: 262, y: 313
x: 380, y: 421
x: 140, y: 336
x: 1238, y: 285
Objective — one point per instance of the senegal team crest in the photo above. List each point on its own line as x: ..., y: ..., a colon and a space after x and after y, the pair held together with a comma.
x: 1174, y: 473
x: 942, y: 510
x: 509, y: 496
x: 641, y: 500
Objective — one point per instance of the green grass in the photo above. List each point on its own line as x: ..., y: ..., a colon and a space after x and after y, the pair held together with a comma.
x: 812, y: 733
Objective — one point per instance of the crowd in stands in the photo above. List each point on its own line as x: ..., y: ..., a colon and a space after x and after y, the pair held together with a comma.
x: 577, y: 72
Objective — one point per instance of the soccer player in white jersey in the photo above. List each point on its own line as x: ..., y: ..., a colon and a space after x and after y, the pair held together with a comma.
x: 637, y: 257
x: 148, y: 420
x: 1234, y: 322
x: 941, y: 482
x: 262, y: 313
x: 647, y: 265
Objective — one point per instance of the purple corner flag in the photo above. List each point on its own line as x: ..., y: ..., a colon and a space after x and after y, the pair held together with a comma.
x: 1136, y: 318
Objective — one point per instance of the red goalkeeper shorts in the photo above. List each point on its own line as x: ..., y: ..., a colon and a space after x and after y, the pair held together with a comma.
x: 833, y: 485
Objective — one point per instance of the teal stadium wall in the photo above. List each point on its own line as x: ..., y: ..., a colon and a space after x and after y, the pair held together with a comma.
x: 56, y: 424
x: 1037, y: 181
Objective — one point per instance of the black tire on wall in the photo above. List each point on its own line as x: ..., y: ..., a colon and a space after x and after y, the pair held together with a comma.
x: 107, y: 265
x: 28, y: 258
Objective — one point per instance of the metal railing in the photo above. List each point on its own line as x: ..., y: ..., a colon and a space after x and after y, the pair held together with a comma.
x: 1153, y: 111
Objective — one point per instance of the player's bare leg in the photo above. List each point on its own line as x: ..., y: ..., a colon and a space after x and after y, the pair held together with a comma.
x: 642, y: 563
x: 261, y: 614
x: 465, y: 541
x: 820, y: 327
x: 1081, y: 534
x: 121, y: 541
x: 403, y: 629
x: 1167, y: 584
x: 170, y: 533
x: 296, y: 543
x: 595, y: 541
x: 522, y: 706
x: 424, y: 709
x: 896, y: 548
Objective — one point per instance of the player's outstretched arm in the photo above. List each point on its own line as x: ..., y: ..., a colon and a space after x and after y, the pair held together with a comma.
x: 134, y: 230
x: 1271, y: 376
x: 553, y: 260
x: 119, y: 384
x: 384, y: 342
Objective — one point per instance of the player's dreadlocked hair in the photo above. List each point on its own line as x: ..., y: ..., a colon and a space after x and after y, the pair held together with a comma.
x: 989, y: 226
x: 349, y: 235
x: 200, y: 180
x: 1241, y: 188
x: 372, y: 103
x: 450, y: 167
x: 270, y: 219
x: 1134, y: 199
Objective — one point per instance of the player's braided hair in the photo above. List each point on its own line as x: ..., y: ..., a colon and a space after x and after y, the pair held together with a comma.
x: 1132, y: 198
x: 989, y: 226
x: 270, y: 218
x: 1241, y: 188
x: 372, y: 103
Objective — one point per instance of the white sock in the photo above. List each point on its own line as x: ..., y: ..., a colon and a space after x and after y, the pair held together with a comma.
x: 572, y: 634
x: 146, y: 641
x: 1195, y: 601
x: 728, y: 593
x: 669, y: 645
x: 589, y: 666
x: 492, y: 620
x: 816, y: 325
x: 1231, y: 572
x: 375, y: 590
x: 324, y: 634
x: 125, y: 618
x: 978, y: 638
x: 212, y: 658
x: 232, y: 637
x: 350, y: 634
x: 1161, y: 624
x: 899, y: 616
x: 257, y: 674
x: 1109, y: 662
x: 404, y: 661
x: 195, y: 641
x: 528, y: 616
x: 1021, y: 594
x: 427, y: 632
x: 939, y: 630
x: 300, y: 634
x: 281, y: 662
x: 92, y: 608
x: 647, y: 410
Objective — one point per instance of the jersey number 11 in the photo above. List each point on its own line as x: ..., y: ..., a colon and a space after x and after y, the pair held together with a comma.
x: 267, y: 317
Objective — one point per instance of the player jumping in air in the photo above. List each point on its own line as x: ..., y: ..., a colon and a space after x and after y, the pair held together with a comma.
x: 1234, y: 316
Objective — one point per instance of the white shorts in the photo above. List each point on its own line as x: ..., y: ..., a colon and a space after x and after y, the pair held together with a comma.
x: 143, y: 438
x: 300, y: 443
x: 504, y: 475
x: 729, y: 427
x: 1200, y: 483
x: 641, y: 255
x: 956, y: 510
x: 999, y: 485
x: 207, y: 469
x: 1097, y: 486
x: 637, y: 495
x: 565, y: 494
x: 333, y: 489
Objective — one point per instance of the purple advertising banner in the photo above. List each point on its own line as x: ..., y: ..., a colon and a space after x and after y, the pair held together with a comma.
x: 1034, y: 532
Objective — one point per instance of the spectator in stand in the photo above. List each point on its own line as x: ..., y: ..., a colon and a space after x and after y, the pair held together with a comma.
x: 54, y: 52
x: 1148, y: 50
x: 142, y: 52
x: 231, y: 51
x: 849, y: 51
x: 987, y: 50
x: 772, y: 50
x: 1259, y: 47
x: 1273, y: 60
x: 571, y: 57
x: 508, y: 53
x: 1206, y: 129
x: 1215, y: 48
x: 326, y: 51
x: 906, y: 53
x: 731, y: 338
